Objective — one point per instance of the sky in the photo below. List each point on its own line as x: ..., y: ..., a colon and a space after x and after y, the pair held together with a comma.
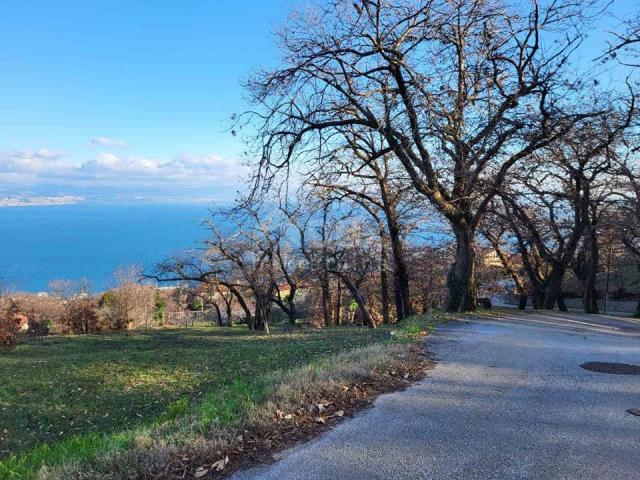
x: 127, y: 97
x: 132, y: 99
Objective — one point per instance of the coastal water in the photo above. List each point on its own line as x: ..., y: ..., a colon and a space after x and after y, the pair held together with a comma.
x: 39, y: 244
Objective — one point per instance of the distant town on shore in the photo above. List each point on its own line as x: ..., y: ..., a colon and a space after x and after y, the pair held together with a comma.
x: 39, y: 201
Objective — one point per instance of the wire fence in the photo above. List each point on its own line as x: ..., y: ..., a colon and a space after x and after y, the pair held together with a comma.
x: 190, y: 318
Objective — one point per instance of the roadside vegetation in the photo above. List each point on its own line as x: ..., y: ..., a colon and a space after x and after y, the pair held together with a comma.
x: 126, y: 404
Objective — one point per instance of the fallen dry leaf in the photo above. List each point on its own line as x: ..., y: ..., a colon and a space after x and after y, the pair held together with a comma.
x: 201, y: 472
x: 322, y: 405
x: 339, y: 413
x: 221, y: 464
x: 320, y: 420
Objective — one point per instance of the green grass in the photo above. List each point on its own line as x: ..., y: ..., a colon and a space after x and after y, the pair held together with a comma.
x: 64, y: 399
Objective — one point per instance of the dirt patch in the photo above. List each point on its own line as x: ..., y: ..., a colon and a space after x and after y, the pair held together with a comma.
x: 613, y: 368
x: 307, y: 420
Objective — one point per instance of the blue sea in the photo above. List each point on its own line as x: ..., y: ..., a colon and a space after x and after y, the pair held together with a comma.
x: 39, y: 244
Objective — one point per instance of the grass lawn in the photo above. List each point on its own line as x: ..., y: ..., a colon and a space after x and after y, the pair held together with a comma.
x: 69, y: 398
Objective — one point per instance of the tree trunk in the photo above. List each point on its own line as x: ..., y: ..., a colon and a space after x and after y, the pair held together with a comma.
x: 292, y: 311
x: 590, y: 293
x: 261, y: 316
x: 637, y: 312
x: 522, y: 301
x: 326, y: 302
x: 553, y: 290
x: 243, y: 304
x: 400, y: 273
x: 384, y: 283
x: 215, y: 305
x: 292, y: 315
x: 561, y: 305
x: 362, y: 306
x: 229, y: 321
x: 538, y: 299
x: 461, y: 281
x: 337, y: 309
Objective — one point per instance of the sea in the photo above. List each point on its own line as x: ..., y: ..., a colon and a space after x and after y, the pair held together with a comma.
x: 42, y: 243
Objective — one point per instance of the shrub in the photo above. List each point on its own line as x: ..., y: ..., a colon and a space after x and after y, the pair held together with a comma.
x: 159, y: 308
x: 10, y: 324
x: 39, y: 325
x: 127, y: 306
x: 82, y: 316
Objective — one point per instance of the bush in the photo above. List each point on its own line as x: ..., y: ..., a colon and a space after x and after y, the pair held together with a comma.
x: 159, y: 308
x: 82, y: 316
x: 39, y: 325
x: 127, y: 306
x: 10, y: 324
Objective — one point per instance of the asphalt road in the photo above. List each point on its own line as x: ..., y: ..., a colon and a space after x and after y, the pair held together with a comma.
x: 508, y: 400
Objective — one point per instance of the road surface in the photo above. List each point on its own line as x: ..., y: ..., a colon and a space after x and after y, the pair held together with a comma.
x: 507, y: 400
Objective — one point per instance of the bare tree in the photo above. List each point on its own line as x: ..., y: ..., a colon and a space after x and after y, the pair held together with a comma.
x: 245, y: 252
x: 227, y: 299
x: 351, y: 258
x: 558, y: 199
x: 313, y: 219
x: 497, y: 229
x: 627, y: 216
x: 374, y: 184
x: 459, y: 91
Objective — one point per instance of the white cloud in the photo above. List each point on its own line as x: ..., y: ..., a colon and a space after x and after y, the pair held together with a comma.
x: 107, y: 142
x: 107, y: 169
x: 35, y: 161
x: 188, y: 169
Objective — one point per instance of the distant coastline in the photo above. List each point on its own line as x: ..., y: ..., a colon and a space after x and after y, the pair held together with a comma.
x: 8, y: 202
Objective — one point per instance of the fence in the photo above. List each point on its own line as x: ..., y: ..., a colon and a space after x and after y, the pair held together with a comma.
x: 189, y: 318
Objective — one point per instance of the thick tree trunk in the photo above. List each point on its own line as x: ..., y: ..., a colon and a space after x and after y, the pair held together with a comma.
x: 400, y: 273
x: 292, y: 314
x: 219, y: 313
x: 538, y: 299
x: 553, y: 291
x: 590, y: 297
x: 522, y: 301
x: 229, y: 320
x: 561, y: 305
x: 637, y: 312
x: 263, y: 309
x: 461, y: 282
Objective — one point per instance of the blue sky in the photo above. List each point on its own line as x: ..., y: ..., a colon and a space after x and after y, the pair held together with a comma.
x: 132, y: 86
x: 156, y: 80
